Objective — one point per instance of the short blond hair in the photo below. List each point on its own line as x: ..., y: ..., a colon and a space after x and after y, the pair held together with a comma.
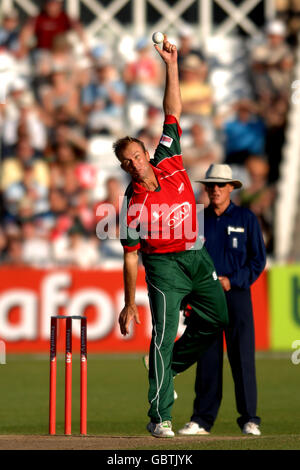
x: 122, y: 143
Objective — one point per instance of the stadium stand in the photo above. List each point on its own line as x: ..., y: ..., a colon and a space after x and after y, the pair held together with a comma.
x: 69, y: 99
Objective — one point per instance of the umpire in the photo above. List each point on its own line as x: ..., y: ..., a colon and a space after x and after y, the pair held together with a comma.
x: 234, y: 241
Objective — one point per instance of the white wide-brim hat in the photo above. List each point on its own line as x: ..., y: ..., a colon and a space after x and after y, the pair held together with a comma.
x: 219, y: 173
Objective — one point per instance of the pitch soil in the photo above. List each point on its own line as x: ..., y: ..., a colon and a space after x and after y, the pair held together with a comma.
x: 35, y: 442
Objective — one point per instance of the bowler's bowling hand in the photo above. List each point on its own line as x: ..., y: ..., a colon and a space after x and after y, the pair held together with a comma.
x: 128, y: 313
x: 168, y: 52
x: 225, y: 283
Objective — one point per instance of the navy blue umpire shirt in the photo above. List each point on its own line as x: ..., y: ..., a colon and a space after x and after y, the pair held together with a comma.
x: 235, y: 243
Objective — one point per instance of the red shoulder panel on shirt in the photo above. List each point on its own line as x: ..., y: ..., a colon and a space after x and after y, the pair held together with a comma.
x: 169, y: 119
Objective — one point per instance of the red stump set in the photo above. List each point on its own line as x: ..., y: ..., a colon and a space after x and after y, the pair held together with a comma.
x: 68, y: 374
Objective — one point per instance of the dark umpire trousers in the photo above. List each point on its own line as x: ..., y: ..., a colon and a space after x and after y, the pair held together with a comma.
x: 241, y: 354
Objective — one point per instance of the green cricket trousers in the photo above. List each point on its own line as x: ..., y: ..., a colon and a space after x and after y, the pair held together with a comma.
x: 174, y: 279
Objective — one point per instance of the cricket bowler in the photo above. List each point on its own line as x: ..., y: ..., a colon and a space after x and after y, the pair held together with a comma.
x: 160, y: 222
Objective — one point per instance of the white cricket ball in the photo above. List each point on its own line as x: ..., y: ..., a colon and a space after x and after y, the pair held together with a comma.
x: 158, y: 37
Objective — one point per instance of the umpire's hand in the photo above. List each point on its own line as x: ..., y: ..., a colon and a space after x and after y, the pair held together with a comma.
x: 128, y: 313
x: 225, y: 283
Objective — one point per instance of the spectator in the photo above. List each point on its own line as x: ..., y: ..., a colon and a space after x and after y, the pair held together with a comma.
x: 86, y: 175
x: 25, y: 210
x: 289, y: 12
x: 83, y: 252
x: 22, y: 118
x: 186, y: 47
x: 76, y: 249
x: 59, y: 57
x: 58, y: 219
x: 62, y: 95
x: 58, y: 203
x: 105, y: 100
x: 50, y: 22
x: 200, y: 153
x: 244, y: 133
x: 151, y: 131
x: 151, y: 134
x: 14, y: 254
x: 146, y: 136
x: 36, y: 246
x: 143, y: 76
x: 259, y: 196
x: 9, y: 73
x: 86, y: 84
x: 11, y: 114
x: 28, y: 187
x: 272, y: 63
x: 9, y: 30
x: 114, y: 196
x: 196, y: 93
x: 71, y: 186
x: 64, y: 121
x: 81, y: 210
x: 64, y: 164
x: 109, y: 211
x: 13, y: 168
x: 72, y: 177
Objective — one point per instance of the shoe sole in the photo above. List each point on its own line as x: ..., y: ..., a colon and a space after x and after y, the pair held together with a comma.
x: 157, y: 435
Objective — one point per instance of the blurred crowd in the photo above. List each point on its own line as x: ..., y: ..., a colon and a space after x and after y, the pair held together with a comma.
x: 68, y: 100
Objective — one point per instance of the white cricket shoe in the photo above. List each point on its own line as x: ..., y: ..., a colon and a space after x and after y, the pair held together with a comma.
x: 163, y: 429
x: 146, y: 365
x: 251, y: 428
x: 192, y: 429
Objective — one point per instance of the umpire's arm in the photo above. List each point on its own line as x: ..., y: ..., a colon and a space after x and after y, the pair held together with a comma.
x: 256, y: 256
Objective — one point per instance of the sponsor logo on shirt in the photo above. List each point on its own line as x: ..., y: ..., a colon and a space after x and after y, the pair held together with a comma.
x: 166, y: 140
x: 178, y: 215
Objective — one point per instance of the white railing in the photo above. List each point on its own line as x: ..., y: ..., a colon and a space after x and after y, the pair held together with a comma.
x: 171, y: 15
x: 287, y: 203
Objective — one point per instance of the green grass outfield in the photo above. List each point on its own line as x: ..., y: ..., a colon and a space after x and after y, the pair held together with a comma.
x: 117, y: 404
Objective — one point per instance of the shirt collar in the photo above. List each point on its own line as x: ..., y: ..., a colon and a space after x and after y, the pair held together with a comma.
x: 138, y: 188
x: 226, y: 212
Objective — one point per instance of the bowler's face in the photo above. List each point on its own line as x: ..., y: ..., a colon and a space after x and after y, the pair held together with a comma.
x: 135, y: 161
x: 219, y: 194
